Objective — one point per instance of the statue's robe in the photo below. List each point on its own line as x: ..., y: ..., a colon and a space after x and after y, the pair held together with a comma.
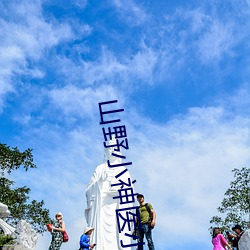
x: 101, y: 208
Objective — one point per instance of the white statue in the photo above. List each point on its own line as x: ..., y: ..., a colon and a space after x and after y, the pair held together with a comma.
x: 4, y: 212
x: 101, y: 207
x: 25, y: 235
x: 244, y: 242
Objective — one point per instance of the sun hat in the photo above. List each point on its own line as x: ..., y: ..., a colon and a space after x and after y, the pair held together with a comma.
x: 59, y: 213
x: 87, y: 229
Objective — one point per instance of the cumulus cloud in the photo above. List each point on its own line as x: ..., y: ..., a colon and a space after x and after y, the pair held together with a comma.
x: 186, y: 164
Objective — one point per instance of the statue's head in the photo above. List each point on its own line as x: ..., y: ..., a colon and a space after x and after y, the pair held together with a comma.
x: 4, y: 212
x: 108, y: 153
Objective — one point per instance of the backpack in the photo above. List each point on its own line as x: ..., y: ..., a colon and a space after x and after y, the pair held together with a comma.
x: 150, y: 219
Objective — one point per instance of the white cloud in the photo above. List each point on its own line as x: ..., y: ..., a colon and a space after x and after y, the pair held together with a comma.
x: 183, y: 167
x: 32, y: 33
x: 105, y: 69
x: 121, y: 71
x: 217, y: 42
x: 191, y: 34
x: 131, y: 12
x: 82, y: 102
x: 198, y: 19
x: 239, y: 102
x: 143, y: 63
x: 80, y: 3
x: 25, y: 35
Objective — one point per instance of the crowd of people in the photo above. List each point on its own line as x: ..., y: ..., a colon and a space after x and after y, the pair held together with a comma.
x: 147, y: 217
x: 219, y: 241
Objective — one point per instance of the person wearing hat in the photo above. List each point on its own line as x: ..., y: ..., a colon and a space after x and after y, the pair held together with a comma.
x: 85, y: 238
x: 145, y: 211
x: 56, y: 231
x: 239, y: 231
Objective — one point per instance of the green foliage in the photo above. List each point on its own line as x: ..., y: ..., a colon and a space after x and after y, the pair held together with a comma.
x: 235, y: 206
x: 11, y: 159
x: 17, y: 199
x: 6, y: 240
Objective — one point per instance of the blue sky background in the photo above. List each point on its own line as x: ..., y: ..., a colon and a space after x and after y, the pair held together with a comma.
x: 180, y: 69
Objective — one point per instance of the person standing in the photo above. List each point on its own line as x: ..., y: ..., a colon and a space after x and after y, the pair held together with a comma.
x: 146, y: 228
x: 56, y: 231
x: 85, y: 238
x: 218, y: 240
x: 239, y: 231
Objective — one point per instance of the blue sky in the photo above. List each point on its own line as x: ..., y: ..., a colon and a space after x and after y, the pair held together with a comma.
x: 180, y: 70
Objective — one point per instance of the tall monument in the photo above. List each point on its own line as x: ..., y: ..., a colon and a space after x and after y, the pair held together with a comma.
x: 101, y: 207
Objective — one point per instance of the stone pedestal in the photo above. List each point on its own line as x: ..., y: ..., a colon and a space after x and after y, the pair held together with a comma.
x: 13, y: 247
x: 244, y: 242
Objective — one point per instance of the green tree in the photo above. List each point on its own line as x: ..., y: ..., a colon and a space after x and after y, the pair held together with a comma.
x: 235, y: 207
x: 17, y: 199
